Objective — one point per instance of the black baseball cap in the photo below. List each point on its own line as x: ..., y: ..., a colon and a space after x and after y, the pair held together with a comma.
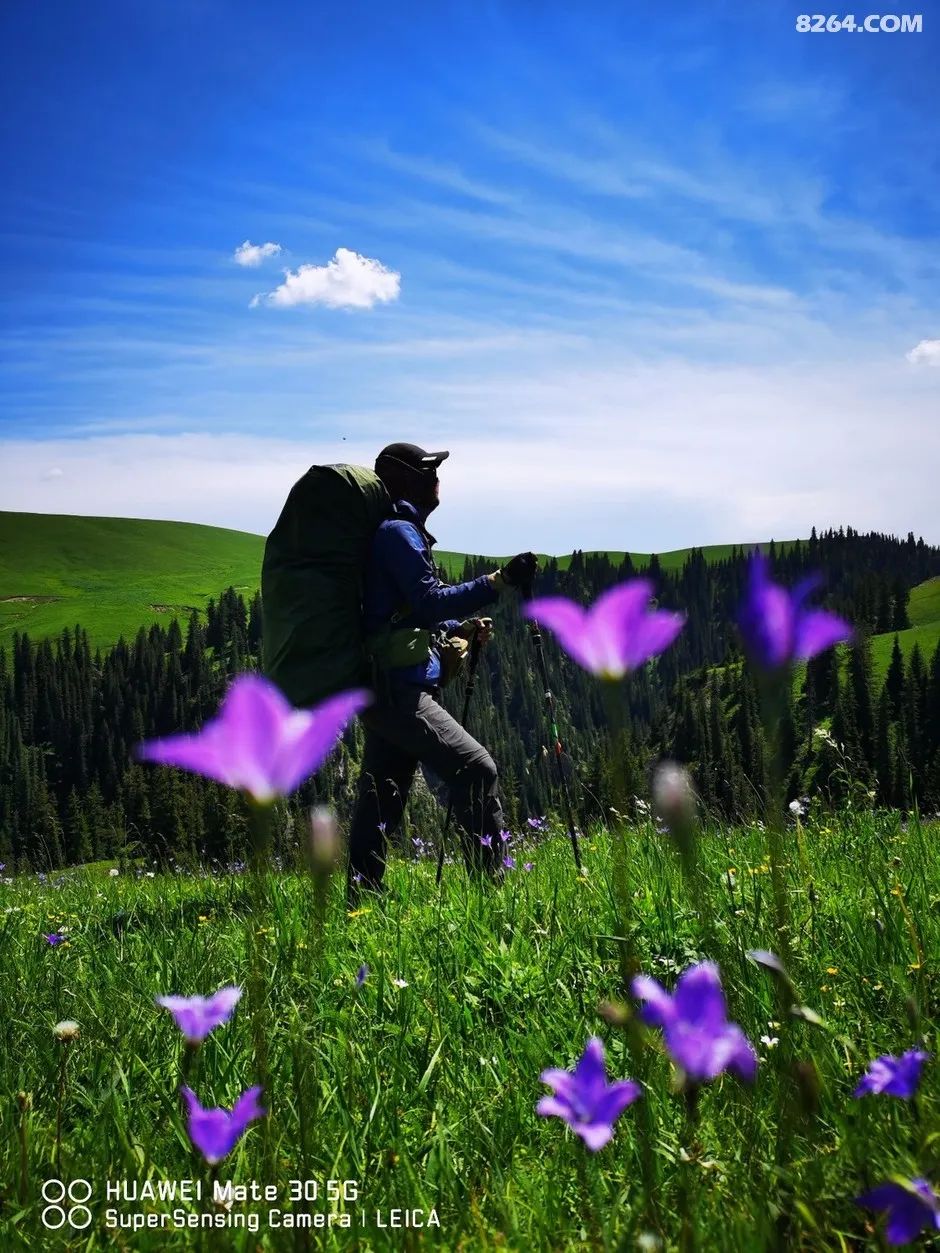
x: 412, y: 456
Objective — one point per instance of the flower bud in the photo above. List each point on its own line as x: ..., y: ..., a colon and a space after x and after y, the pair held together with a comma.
x: 808, y: 1085
x: 674, y: 803
x: 614, y: 1012
x: 324, y: 840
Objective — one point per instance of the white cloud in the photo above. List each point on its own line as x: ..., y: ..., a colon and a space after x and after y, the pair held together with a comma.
x: 605, y: 455
x: 349, y: 281
x: 251, y: 255
x: 927, y: 352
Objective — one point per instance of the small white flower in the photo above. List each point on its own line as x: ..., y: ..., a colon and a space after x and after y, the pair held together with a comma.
x: 796, y: 809
x: 150, y: 874
x: 770, y: 1040
x: 400, y: 983
x: 114, y: 872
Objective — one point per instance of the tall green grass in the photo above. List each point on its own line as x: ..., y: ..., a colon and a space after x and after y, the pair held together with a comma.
x: 425, y: 1095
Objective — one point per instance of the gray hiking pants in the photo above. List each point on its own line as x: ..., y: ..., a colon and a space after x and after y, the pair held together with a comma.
x: 408, y: 725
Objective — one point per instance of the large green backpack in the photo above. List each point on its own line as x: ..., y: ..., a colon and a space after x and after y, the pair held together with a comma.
x: 311, y: 583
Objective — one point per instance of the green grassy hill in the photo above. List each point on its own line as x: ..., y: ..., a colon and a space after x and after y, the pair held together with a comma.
x: 924, y: 612
x: 114, y: 574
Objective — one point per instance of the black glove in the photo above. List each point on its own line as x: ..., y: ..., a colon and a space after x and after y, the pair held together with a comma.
x: 520, y: 571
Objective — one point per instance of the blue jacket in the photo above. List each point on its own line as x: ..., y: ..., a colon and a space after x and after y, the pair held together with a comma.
x: 400, y: 572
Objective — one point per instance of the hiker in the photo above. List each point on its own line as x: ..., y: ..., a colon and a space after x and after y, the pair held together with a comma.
x: 416, y: 628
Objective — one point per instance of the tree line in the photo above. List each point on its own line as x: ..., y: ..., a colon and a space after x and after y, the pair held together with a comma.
x: 71, y: 791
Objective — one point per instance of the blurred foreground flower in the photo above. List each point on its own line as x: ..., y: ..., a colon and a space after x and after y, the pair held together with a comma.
x: 616, y: 635
x: 695, y: 1024
x: 895, y: 1076
x: 259, y: 743
x: 361, y: 975
x: 911, y: 1205
x: 325, y: 844
x: 776, y: 626
x: 215, y: 1132
x: 673, y: 795
x: 585, y: 1100
x: 196, y: 1016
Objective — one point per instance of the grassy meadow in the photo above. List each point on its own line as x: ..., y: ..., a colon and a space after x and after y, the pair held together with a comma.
x: 425, y: 1094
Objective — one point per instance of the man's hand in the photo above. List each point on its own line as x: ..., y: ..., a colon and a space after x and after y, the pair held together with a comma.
x: 483, y: 627
x: 517, y: 573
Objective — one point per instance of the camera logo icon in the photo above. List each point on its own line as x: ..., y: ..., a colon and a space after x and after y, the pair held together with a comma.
x: 66, y: 1204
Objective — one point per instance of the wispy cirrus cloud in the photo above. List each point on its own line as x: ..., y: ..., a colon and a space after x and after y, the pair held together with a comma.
x: 251, y: 255
x: 348, y: 281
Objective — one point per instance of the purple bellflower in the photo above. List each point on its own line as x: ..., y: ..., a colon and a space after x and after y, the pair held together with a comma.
x: 259, y: 743
x: 695, y: 1025
x: 912, y: 1206
x: 54, y: 939
x: 616, y: 635
x: 196, y: 1016
x: 361, y: 975
x: 776, y: 625
x: 215, y: 1132
x: 895, y: 1076
x: 585, y: 1100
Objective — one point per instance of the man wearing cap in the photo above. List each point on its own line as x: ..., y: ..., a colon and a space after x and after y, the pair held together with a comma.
x: 408, y: 612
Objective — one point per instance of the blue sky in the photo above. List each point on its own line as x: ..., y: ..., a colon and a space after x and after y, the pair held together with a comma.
x: 656, y: 275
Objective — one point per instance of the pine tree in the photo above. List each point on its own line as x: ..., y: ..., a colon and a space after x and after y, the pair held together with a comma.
x: 894, y: 682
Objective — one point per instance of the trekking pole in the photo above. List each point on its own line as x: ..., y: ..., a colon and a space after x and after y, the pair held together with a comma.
x: 475, y: 650
x: 536, y: 634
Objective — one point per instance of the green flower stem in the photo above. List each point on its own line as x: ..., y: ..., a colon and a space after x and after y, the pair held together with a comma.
x: 260, y: 824
x: 688, y: 1237
x: 774, y: 693
x: 23, y: 1100
x: 613, y: 695
x: 63, y: 1062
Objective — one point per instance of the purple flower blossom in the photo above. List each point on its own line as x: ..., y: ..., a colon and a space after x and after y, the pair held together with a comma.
x: 258, y: 742
x: 528, y: 865
x: 215, y: 1132
x: 778, y: 628
x: 382, y: 826
x: 196, y: 1016
x: 361, y: 975
x: 54, y: 939
x: 895, y: 1076
x: 911, y: 1206
x: 584, y: 1099
x: 695, y: 1024
x: 617, y: 634
x: 537, y: 824
x: 509, y: 862
x: 505, y: 836
x: 486, y: 841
